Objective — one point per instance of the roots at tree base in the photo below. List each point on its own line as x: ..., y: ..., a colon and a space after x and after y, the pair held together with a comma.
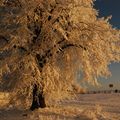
x: 38, y: 99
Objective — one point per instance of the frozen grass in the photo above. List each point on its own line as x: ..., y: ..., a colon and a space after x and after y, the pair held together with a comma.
x: 84, y: 107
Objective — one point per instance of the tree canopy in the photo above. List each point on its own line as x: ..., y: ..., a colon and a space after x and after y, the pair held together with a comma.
x: 46, y: 42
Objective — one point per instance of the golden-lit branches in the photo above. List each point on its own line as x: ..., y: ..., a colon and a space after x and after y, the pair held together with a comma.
x: 45, y: 42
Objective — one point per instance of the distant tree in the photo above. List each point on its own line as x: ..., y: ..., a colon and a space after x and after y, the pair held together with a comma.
x: 116, y: 91
x: 111, y: 85
x: 43, y: 43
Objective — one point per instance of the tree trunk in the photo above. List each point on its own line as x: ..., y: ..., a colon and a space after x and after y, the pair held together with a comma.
x: 38, y: 99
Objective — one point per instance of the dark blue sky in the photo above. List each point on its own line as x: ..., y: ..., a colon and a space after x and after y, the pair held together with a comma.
x: 107, y: 8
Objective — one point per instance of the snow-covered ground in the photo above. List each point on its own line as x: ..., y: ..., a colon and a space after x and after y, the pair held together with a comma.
x: 84, y: 107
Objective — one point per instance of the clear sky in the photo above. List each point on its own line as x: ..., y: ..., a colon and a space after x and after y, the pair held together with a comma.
x: 107, y: 8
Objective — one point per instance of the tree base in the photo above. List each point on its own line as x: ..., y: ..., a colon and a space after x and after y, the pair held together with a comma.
x: 38, y: 99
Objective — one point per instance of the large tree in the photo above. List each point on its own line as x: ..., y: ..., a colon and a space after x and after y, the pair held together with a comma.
x: 44, y: 43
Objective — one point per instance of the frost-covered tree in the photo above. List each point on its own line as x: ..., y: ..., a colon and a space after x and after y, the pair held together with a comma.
x: 43, y: 43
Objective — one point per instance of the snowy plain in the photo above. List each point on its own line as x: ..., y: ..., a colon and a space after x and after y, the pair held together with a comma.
x: 85, y: 107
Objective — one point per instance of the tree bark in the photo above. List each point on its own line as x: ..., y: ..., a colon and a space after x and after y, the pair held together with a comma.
x: 38, y: 99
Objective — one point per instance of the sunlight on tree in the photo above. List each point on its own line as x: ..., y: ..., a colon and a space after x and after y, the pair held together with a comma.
x: 44, y: 43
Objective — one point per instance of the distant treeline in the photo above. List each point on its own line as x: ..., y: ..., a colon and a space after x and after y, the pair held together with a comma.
x: 103, y: 91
